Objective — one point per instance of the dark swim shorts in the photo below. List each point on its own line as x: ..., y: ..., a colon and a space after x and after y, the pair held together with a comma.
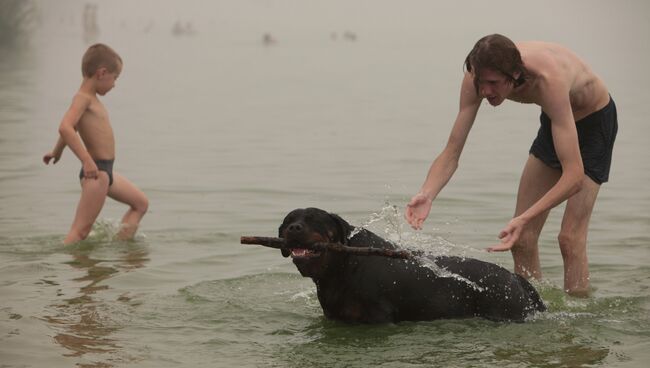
x: 103, y: 165
x: 596, y: 136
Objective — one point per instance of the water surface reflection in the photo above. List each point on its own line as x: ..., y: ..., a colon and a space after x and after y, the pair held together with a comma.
x: 84, y: 322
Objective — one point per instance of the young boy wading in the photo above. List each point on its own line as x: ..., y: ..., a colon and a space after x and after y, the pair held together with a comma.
x: 101, y: 66
x: 569, y: 159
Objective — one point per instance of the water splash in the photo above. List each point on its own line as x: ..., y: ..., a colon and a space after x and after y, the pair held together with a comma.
x: 394, y: 230
x: 107, y: 230
x: 390, y: 215
x: 445, y: 273
x: 426, y: 247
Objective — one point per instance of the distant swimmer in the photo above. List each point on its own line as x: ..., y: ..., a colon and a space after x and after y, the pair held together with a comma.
x: 183, y: 29
x: 86, y: 129
x: 568, y: 161
x: 268, y: 39
x: 349, y: 36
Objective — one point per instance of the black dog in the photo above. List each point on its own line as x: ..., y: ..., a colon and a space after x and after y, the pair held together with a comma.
x: 375, y: 289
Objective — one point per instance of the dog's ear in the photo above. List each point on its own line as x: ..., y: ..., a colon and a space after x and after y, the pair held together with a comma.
x: 343, y: 227
x: 285, y: 252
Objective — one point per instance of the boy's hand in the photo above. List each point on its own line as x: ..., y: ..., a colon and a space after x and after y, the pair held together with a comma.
x: 50, y: 155
x: 90, y: 169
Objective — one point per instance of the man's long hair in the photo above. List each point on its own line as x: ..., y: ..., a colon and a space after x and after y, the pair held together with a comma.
x: 499, y: 53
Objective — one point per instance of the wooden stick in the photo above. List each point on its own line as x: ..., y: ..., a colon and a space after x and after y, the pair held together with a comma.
x: 279, y: 243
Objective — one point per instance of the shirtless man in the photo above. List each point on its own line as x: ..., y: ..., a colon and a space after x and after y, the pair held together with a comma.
x: 569, y: 159
x: 101, y: 66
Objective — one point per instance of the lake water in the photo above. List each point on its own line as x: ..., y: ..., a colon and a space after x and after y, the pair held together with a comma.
x: 226, y: 135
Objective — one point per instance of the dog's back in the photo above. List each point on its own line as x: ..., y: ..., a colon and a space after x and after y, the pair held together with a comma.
x: 441, y: 287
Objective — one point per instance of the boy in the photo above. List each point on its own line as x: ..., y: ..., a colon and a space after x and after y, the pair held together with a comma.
x: 568, y: 161
x: 101, y: 66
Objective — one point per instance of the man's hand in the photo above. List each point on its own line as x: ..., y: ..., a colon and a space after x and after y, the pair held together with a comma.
x: 509, y: 235
x: 49, y: 156
x: 417, y: 210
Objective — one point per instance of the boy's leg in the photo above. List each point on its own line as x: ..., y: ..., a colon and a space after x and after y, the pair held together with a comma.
x: 126, y: 192
x: 536, y: 179
x: 93, y: 196
x: 573, y: 238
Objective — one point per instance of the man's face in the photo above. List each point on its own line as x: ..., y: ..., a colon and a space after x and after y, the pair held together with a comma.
x: 494, y: 86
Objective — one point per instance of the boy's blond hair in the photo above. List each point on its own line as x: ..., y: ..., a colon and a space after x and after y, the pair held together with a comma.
x: 100, y: 56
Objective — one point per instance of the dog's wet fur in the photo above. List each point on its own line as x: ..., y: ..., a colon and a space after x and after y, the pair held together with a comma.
x: 376, y: 289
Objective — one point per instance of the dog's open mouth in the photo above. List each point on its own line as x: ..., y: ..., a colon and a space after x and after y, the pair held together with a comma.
x: 303, y: 253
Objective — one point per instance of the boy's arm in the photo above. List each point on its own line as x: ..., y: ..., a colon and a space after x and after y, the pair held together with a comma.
x: 68, y: 132
x: 56, y: 152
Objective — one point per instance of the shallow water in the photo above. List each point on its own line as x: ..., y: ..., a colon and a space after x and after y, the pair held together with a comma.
x: 226, y: 136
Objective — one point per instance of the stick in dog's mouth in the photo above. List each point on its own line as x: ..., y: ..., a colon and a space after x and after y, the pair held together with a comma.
x: 280, y: 243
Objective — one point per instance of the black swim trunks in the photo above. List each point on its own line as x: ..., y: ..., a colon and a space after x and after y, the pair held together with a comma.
x: 103, y: 165
x: 596, y: 136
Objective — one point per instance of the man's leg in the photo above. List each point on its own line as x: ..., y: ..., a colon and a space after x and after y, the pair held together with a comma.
x: 93, y: 196
x: 573, y: 238
x: 536, y: 179
x: 126, y: 192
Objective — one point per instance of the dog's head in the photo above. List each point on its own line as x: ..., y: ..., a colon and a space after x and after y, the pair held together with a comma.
x: 308, y: 226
